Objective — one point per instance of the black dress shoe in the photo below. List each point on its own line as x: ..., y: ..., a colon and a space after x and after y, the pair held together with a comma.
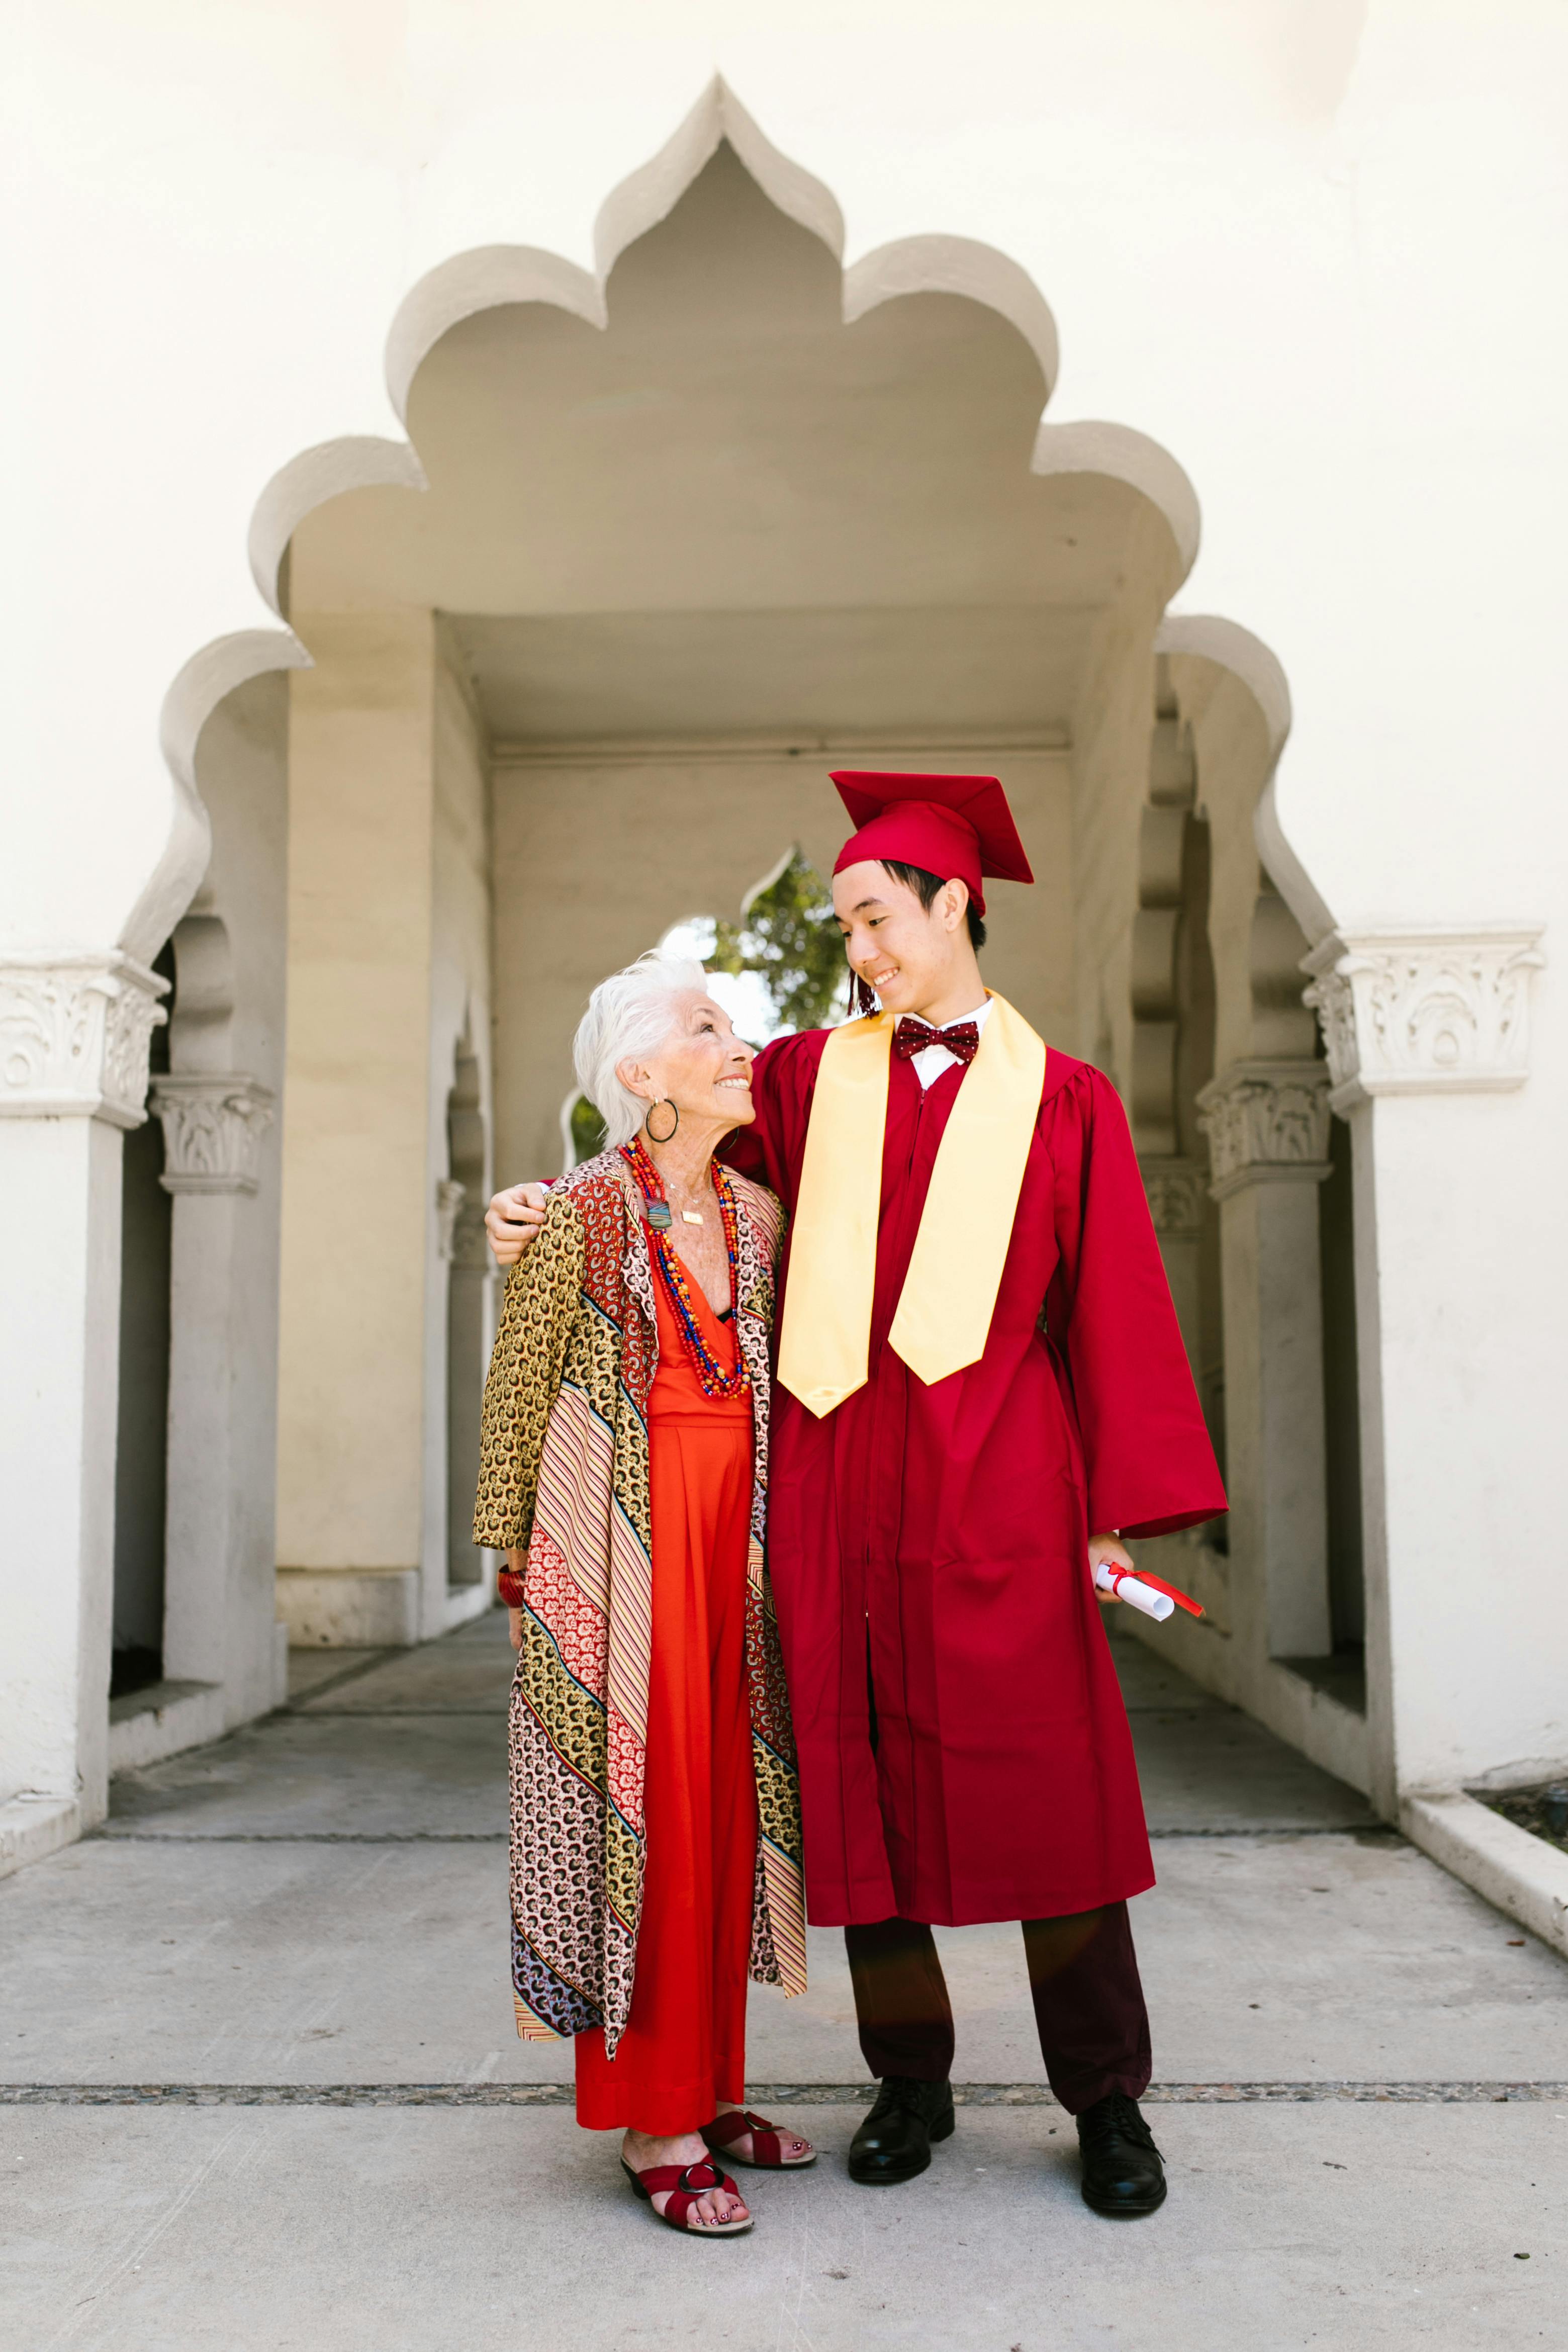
x: 895, y: 2141
x: 1123, y: 2173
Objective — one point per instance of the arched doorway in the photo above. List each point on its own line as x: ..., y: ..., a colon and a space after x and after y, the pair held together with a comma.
x: 681, y: 559
x: 685, y: 534
x: 196, y: 1466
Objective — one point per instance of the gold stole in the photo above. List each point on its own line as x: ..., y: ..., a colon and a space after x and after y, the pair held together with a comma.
x: 955, y: 1269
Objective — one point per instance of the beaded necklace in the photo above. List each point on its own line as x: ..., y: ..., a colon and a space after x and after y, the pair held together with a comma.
x: 715, y: 1380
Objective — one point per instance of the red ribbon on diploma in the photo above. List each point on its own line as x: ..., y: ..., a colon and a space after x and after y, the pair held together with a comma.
x: 1171, y: 1591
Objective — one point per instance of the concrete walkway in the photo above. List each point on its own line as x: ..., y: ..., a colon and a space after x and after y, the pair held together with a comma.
x: 259, y: 2088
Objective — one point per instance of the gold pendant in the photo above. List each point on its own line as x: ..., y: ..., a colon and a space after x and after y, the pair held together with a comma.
x: 691, y: 1216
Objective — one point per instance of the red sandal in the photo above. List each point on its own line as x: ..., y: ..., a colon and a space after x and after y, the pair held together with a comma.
x: 685, y: 2184
x: 766, y: 2146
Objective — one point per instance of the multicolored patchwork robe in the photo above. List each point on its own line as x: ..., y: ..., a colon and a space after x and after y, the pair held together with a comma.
x: 564, y: 1478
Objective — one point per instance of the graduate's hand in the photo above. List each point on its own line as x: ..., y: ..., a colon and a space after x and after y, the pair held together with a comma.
x: 1111, y: 1548
x: 513, y: 1219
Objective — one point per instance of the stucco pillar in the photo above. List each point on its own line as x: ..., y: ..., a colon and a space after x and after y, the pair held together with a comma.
x: 218, y: 1613
x: 357, y: 1211
x: 1267, y: 1123
x: 1174, y: 1191
x: 74, y: 1033
x: 1427, y: 1034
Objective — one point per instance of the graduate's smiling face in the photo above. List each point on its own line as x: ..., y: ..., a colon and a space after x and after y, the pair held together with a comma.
x: 909, y: 953
x: 702, y: 1066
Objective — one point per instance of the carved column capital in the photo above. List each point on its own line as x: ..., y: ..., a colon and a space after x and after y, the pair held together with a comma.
x: 75, y: 1029
x: 1174, y: 1189
x: 1425, y: 1012
x: 213, y: 1127
x: 1267, y: 1123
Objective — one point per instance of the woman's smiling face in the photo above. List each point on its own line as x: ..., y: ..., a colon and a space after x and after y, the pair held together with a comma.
x: 702, y: 1066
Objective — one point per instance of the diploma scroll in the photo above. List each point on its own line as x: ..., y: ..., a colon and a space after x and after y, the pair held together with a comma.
x: 1150, y: 1594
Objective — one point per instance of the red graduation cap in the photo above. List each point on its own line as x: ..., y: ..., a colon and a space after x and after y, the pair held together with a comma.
x: 957, y: 827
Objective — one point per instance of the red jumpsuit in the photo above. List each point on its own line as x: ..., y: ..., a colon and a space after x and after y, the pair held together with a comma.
x: 684, y: 2049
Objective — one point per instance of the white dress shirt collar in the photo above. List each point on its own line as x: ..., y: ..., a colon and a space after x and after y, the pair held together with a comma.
x: 932, y: 1060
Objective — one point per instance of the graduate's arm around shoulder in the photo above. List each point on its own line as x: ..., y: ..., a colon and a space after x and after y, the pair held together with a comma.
x: 514, y: 1221
x: 527, y: 1361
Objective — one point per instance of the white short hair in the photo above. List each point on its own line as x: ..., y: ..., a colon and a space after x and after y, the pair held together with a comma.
x: 628, y: 1016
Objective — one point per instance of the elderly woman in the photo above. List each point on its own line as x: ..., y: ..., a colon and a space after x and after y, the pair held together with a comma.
x: 655, y: 1818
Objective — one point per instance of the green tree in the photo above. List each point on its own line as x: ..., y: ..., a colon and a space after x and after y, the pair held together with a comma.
x: 587, y: 1131
x: 788, y: 938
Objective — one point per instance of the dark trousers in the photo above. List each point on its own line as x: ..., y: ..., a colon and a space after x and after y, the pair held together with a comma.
x: 1083, y: 1976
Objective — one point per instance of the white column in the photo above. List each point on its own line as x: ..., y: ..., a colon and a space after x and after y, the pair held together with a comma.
x: 1427, y: 1034
x: 1267, y: 1123
x: 1174, y: 1191
x: 352, y: 1437
x: 213, y: 1127
x: 74, y: 1034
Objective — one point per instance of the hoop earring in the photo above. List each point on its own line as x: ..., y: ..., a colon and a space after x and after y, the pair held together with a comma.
x: 647, y: 1128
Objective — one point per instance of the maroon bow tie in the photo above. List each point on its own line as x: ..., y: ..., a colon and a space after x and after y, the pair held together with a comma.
x: 911, y: 1038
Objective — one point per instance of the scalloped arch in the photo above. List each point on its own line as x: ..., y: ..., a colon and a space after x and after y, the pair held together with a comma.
x: 1126, y: 456
x: 1281, y: 1022
x: 195, y: 693
x: 202, y: 1009
x: 360, y: 461
x: 1250, y: 661
x: 1230, y: 646
x: 486, y: 278
x: 489, y: 277
x: 652, y: 192
x: 957, y: 264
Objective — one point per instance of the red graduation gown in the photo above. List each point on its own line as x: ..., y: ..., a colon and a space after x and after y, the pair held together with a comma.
x: 928, y: 1545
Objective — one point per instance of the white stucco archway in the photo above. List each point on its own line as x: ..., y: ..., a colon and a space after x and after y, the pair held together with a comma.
x: 495, y: 280
x: 440, y: 343
x: 1082, y: 461
x: 492, y: 276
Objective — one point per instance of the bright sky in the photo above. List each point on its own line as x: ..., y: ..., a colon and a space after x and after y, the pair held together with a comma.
x: 744, y: 995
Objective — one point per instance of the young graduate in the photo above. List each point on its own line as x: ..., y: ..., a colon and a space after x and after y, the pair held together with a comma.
x: 981, y: 1389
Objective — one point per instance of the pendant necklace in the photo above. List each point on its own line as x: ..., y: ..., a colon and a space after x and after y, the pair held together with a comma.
x: 715, y: 1380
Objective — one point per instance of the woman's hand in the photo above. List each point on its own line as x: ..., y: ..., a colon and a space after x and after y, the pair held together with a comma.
x: 515, y: 1627
x: 1114, y: 1551
x: 513, y: 1219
